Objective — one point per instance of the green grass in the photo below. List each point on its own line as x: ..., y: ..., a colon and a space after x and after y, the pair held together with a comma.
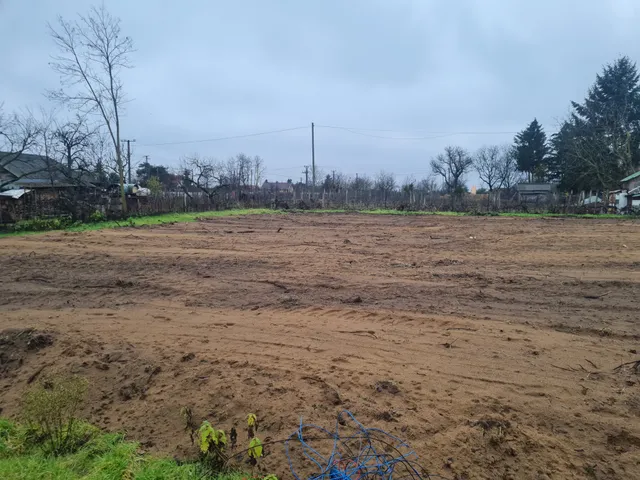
x: 104, y: 457
x: 381, y: 211
x: 168, y: 218
x: 193, y: 216
x: 151, y: 220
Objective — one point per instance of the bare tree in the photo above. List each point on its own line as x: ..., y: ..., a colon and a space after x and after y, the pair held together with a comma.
x: 73, y: 140
x: 386, y: 183
x: 19, y: 133
x: 452, y: 166
x: 409, y: 186
x: 238, y: 171
x: 258, y: 170
x: 205, y: 174
x: 361, y: 183
x: 487, y: 163
x: 92, y: 55
x: 45, y: 145
x: 497, y: 166
x: 509, y: 163
x: 104, y: 163
x: 427, y: 185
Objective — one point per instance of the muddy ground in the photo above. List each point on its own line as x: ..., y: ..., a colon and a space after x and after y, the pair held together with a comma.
x: 499, y: 336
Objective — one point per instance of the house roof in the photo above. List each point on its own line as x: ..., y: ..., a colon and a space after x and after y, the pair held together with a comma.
x: 26, y: 165
x: 631, y: 177
x: 282, y: 185
x: 14, y: 194
x: 39, y: 171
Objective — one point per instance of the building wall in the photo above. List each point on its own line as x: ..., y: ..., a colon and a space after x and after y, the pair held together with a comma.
x: 633, y: 183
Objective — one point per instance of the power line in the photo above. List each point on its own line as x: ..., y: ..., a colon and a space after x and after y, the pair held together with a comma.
x: 353, y: 130
x: 225, y: 138
x: 432, y: 136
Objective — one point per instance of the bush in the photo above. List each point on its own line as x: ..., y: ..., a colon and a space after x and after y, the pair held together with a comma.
x: 97, y: 217
x: 50, y: 410
x: 43, y: 224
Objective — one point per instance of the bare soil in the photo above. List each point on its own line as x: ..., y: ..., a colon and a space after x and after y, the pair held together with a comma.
x: 488, y: 343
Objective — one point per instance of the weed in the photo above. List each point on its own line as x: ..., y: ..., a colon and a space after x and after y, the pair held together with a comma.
x: 255, y: 450
x: 189, y: 424
x: 43, y: 224
x: 50, y: 410
x: 97, y: 217
x: 213, y: 444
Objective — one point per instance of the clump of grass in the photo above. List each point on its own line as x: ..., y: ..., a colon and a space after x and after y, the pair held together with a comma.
x: 50, y: 409
x: 103, y: 456
x: 148, y: 220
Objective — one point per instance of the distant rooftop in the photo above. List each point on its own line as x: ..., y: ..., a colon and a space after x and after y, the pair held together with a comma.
x: 631, y: 177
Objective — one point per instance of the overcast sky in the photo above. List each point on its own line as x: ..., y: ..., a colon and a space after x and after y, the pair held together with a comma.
x: 386, y: 68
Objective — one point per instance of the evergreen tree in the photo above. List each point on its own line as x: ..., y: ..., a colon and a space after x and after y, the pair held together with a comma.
x: 564, y: 166
x: 606, y: 140
x: 100, y: 176
x: 531, y: 151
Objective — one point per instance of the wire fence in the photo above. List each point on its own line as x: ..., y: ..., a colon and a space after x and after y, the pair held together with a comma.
x: 351, y: 451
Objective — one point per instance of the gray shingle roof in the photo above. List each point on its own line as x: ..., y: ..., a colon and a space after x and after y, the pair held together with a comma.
x: 38, y: 171
x: 26, y: 165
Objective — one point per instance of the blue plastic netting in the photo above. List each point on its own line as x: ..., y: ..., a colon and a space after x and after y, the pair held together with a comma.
x: 351, y: 452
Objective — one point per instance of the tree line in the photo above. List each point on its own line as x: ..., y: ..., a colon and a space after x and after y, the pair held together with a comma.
x: 596, y: 146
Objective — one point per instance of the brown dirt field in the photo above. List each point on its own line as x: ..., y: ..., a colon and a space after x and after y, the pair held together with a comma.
x: 301, y: 315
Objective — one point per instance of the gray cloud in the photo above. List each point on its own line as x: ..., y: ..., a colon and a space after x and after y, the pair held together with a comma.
x: 209, y: 69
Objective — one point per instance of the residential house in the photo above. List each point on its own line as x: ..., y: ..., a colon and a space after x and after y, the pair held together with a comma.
x: 277, y: 187
x: 37, y: 172
x: 534, y: 192
x: 30, y: 186
x: 628, y: 197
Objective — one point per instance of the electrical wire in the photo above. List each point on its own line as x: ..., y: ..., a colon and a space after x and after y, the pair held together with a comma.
x: 224, y: 138
x: 353, y: 130
x: 434, y: 135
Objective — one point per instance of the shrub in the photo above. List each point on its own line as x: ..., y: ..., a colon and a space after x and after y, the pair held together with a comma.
x: 43, y: 224
x: 50, y: 409
x: 97, y: 217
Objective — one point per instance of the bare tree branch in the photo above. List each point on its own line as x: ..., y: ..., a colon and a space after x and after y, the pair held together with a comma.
x: 451, y: 166
x: 19, y: 133
x: 386, y: 183
x: 92, y: 55
x: 496, y: 166
x: 205, y: 174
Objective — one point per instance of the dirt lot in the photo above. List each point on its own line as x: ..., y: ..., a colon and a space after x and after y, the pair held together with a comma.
x: 499, y: 335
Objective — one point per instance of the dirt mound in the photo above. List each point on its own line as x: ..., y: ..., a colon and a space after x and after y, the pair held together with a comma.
x: 17, y: 344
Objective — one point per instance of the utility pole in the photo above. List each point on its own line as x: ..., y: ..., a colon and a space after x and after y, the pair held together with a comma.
x: 306, y: 175
x: 313, y: 155
x: 146, y: 160
x: 333, y: 172
x: 129, y: 157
